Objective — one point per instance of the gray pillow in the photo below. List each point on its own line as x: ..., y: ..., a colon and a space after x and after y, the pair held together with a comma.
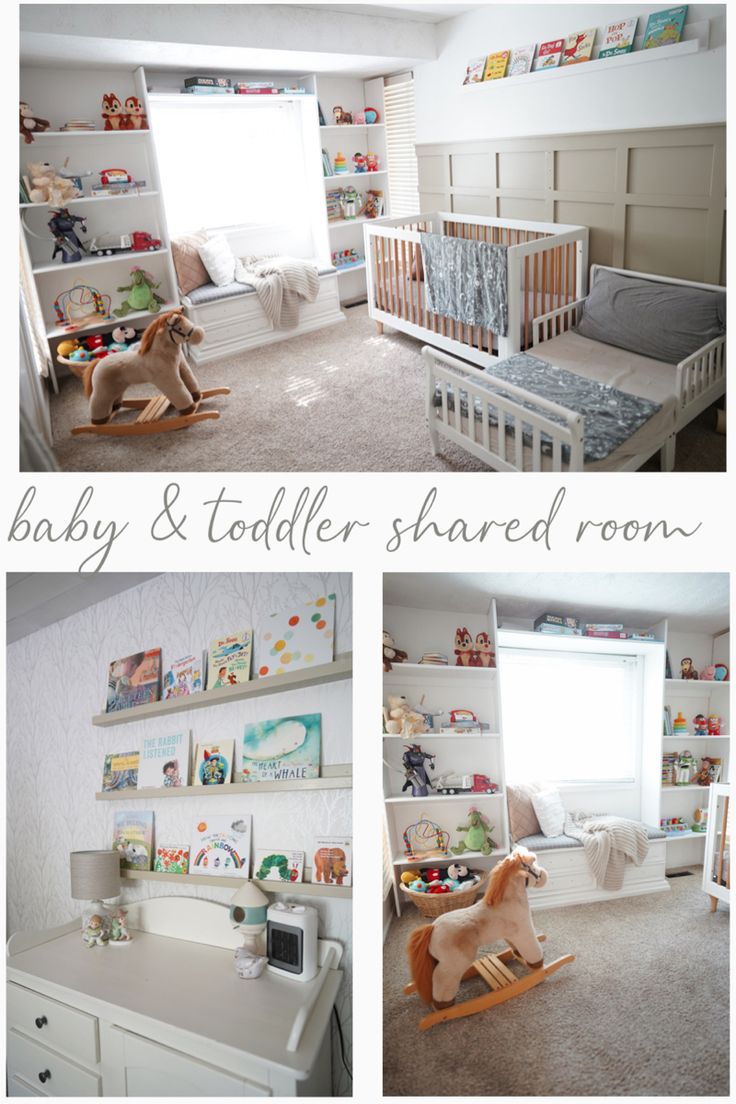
x: 663, y: 321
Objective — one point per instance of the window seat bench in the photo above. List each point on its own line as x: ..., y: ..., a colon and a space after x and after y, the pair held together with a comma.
x: 234, y: 321
x: 571, y: 882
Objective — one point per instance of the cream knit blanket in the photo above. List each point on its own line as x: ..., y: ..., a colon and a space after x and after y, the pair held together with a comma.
x: 609, y: 841
x: 281, y: 284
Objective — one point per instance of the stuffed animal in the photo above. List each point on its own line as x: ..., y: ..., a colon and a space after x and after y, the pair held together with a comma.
x: 342, y: 118
x: 687, y: 671
x: 390, y: 652
x: 159, y: 360
x: 48, y: 187
x: 30, y: 124
x: 142, y: 295
x: 135, y: 117
x: 477, y: 835
x: 402, y: 719
x: 112, y: 112
x: 463, y: 647
x: 484, y: 651
x: 460, y: 873
x: 67, y: 347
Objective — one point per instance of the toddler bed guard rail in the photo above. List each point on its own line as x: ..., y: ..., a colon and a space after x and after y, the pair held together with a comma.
x: 546, y: 268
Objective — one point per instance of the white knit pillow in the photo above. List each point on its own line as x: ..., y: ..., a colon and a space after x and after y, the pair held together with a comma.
x: 219, y: 260
x: 550, y: 811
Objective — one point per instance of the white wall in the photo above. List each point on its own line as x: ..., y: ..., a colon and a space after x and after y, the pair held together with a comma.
x: 691, y: 89
x: 56, y: 681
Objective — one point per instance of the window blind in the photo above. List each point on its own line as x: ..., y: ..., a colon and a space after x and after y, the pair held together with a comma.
x: 403, y: 176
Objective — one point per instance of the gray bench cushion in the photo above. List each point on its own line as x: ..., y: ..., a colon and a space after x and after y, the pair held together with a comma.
x: 211, y: 293
x: 547, y: 843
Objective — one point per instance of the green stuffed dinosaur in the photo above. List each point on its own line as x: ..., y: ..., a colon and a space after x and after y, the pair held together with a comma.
x: 477, y: 835
x: 141, y: 297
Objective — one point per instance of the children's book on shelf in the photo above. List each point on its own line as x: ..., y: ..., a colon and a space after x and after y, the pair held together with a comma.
x: 549, y: 54
x: 496, y: 65
x: 134, y: 680
x: 521, y: 60
x: 332, y: 862
x: 164, y: 761
x: 297, y: 637
x: 220, y: 846
x: 228, y: 660
x: 281, y: 750
x: 274, y: 864
x: 618, y: 38
x: 183, y: 677
x: 120, y: 771
x: 578, y: 47
x: 213, y: 765
x: 171, y: 860
x: 664, y: 28
x: 133, y: 839
x: 475, y: 70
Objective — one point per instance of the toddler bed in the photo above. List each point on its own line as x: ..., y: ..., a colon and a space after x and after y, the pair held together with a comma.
x: 542, y: 266
x: 610, y: 381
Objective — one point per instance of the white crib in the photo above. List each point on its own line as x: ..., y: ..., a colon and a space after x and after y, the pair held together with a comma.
x: 547, y: 269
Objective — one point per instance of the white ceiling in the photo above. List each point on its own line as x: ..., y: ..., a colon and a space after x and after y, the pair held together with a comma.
x: 423, y: 13
x: 695, y: 602
x: 35, y: 600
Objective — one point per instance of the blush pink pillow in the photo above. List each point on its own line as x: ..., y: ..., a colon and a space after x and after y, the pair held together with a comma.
x: 523, y: 820
x: 190, y: 272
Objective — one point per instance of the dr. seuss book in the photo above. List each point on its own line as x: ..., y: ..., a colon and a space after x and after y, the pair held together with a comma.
x: 618, y: 38
x: 496, y: 65
x: 164, y: 761
x: 134, y: 680
x: 183, y: 677
x: 132, y: 838
x: 277, y: 865
x: 521, y: 60
x: 287, y: 748
x: 221, y: 846
x: 549, y: 54
x: 664, y: 28
x: 578, y: 47
x: 228, y: 660
x: 297, y: 637
x: 474, y: 72
x: 213, y: 765
x: 120, y: 771
x: 332, y: 862
x: 172, y: 860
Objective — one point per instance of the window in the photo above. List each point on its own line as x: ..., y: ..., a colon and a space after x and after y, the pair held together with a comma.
x: 230, y: 163
x: 398, y: 101
x: 570, y: 716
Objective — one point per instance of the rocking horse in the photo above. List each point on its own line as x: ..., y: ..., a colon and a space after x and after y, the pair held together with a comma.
x: 159, y: 360
x: 442, y: 954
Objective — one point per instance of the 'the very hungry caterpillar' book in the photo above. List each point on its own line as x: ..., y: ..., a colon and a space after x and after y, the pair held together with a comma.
x: 273, y: 864
x: 228, y: 662
x: 134, y: 680
x: 164, y: 761
x: 213, y: 765
x: 133, y: 839
x: 120, y: 771
x: 287, y: 748
x: 221, y: 846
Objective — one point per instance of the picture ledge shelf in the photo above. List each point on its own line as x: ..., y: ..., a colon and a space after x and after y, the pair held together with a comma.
x: 338, y: 776
x: 595, y: 65
x: 308, y: 889
x: 341, y: 668
x: 438, y: 671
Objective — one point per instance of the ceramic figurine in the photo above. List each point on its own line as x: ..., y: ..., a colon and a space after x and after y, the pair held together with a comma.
x: 93, y: 933
x: 119, y: 933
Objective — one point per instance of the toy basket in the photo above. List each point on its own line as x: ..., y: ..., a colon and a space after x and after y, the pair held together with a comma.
x: 432, y: 905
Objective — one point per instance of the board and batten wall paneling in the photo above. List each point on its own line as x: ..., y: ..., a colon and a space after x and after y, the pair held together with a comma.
x: 654, y: 200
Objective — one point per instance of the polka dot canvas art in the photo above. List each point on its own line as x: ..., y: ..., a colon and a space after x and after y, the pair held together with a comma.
x: 295, y: 638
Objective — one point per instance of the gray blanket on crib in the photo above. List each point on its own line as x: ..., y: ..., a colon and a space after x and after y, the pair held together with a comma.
x: 611, y: 416
x: 466, y: 280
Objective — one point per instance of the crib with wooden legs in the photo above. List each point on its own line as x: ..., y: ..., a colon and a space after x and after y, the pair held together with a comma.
x: 547, y: 267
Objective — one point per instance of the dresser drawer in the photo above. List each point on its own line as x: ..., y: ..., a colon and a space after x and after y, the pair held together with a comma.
x: 154, y: 1070
x: 34, y: 1065
x: 63, y: 1028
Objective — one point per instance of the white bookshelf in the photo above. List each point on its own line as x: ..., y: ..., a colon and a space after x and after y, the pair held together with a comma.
x: 60, y: 94
x: 444, y: 689
x: 353, y: 94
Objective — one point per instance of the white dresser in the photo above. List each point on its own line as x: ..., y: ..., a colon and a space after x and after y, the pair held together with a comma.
x: 166, y: 1015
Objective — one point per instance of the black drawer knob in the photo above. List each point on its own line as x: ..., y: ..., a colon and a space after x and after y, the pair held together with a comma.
x: 41, y: 1021
x: 44, y: 1076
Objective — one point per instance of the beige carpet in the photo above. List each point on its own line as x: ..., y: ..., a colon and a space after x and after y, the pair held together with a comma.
x: 643, y: 1011
x: 339, y: 399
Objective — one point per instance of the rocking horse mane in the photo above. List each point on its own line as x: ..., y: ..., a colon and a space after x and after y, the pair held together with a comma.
x: 502, y: 874
x: 151, y: 332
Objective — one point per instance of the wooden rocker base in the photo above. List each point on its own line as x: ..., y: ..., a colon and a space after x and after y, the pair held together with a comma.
x: 151, y: 418
x: 502, y: 983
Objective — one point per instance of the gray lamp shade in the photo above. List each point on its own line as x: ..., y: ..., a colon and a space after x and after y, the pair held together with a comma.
x: 95, y: 874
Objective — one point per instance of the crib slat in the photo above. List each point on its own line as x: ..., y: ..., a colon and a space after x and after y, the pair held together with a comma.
x: 519, y: 443
x: 501, y: 434
x: 536, y: 449
x: 556, y: 454
x: 443, y: 395
x: 485, y: 425
x: 527, y: 341
x: 397, y: 279
x: 537, y: 312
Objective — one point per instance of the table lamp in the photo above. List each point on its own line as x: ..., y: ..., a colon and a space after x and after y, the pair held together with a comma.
x: 248, y: 913
x: 94, y: 876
